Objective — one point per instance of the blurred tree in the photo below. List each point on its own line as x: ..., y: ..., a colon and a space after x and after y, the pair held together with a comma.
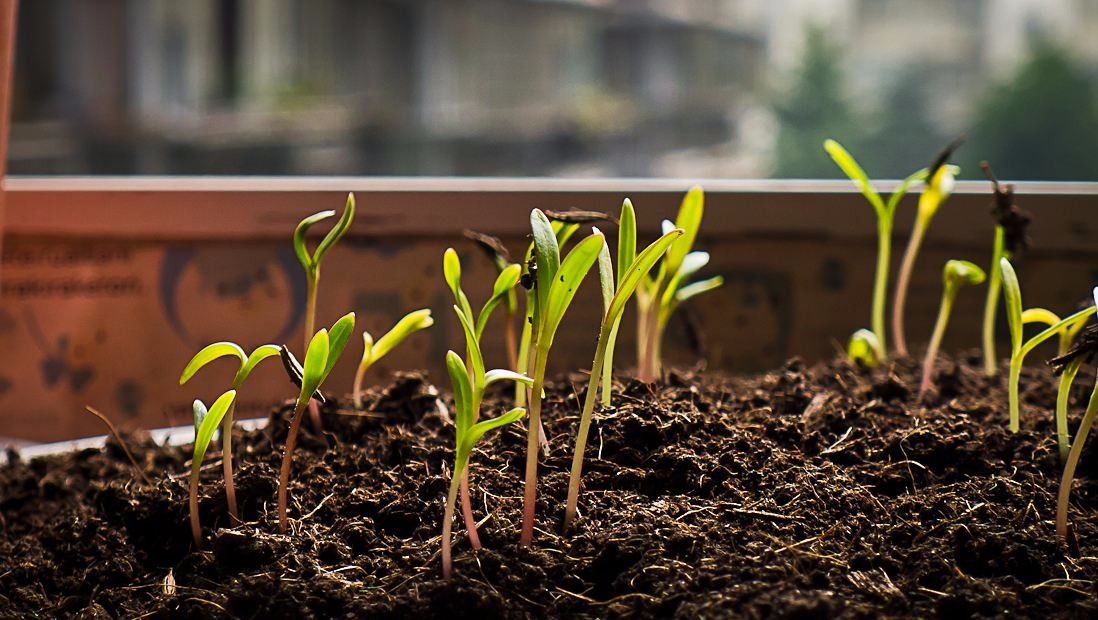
x: 906, y: 138
x: 813, y: 109
x: 1041, y: 124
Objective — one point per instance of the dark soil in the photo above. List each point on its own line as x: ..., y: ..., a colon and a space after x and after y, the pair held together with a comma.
x: 801, y: 493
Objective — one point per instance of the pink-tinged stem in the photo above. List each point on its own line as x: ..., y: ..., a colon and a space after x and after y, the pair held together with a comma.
x: 314, y: 416
x: 284, y: 473
x: 447, y: 525
x: 903, y: 280
x: 467, y: 510
x: 530, y: 496
x: 935, y: 344
x: 227, y: 462
x: 196, y: 525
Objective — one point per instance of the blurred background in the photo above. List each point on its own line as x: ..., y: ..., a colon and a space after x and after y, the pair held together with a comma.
x: 568, y: 88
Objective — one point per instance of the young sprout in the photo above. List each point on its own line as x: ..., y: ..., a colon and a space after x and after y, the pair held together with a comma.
x: 501, y: 258
x: 247, y: 365
x: 1012, y: 296
x: 320, y: 357
x: 1085, y: 349
x: 957, y: 273
x: 555, y: 283
x: 205, y: 423
x: 374, y: 351
x: 467, y: 430
x: 657, y: 298
x: 886, y: 215
x: 632, y: 268
x: 940, y: 180
x: 864, y: 348
x: 1010, y: 239
x: 505, y: 283
x: 1067, y: 366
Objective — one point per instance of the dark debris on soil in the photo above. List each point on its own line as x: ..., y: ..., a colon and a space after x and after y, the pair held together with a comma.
x: 801, y: 493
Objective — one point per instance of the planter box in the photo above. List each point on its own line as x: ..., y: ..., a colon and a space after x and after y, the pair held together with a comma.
x: 110, y: 285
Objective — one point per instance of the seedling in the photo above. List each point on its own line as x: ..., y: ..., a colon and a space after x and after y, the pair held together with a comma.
x: 320, y: 357
x: 555, y: 283
x: 374, y: 351
x: 1085, y: 350
x: 1067, y: 365
x: 957, y: 273
x: 939, y: 186
x: 205, y: 423
x: 659, y: 297
x: 469, y: 382
x: 247, y: 365
x: 501, y: 258
x: 1010, y: 239
x: 864, y: 348
x: 1012, y: 296
x: 505, y: 283
x: 632, y: 269
x: 886, y: 215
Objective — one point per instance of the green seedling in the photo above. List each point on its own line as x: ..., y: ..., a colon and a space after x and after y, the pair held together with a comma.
x: 957, y: 273
x: 1010, y: 239
x: 864, y: 348
x: 939, y: 186
x: 243, y: 371
x: 1012, y: 297
x: 1067, y: 367
x: 205, y: 423
x: 469, y: 381
x: 632, y: 269
x: 320, y: 357
x: 659, y: 297
x: 501, y: 258
x: 886, y: 215
x: 1085, y: 350
x: 374, y: 351
x: 505, y: 283
x: 554, y: 283
x: 311, y: 261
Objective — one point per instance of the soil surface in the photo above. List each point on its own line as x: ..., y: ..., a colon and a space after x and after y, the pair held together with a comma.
x: 801, y: 493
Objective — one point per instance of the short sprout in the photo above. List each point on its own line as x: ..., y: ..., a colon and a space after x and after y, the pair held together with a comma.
x: 205, y: 423
x: 957, y: 273
x: 374, y: 351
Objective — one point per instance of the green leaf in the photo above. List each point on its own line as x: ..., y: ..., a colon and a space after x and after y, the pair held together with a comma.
x: 338, y: 337
x: 200, y: 412
x: 472, y: 345
x: 502, y: 374
x: 367, y: 348
x: 1012, y: 296
x: 312, y: 373
x: 299, y: 237
x: 1053, y: 330
x: 564, y: 286
x: 337, y: 231
x: 208, y: 354
x: 962, y: 272
x: 547, y: 254
x: 854, y: 172
x: 901, y: 191
x: 406, y: 326
x: 627, y: 238
x: 1039, y: 315
x: 689, y: 220
x: 451, y: 271
x: 606, y: 275
x: 258, y: 355
x: 564, y: 231
x: 463, y: 397
x: 209, y: 423
x: 638, y: 271
x: 480, y: 428
x: 504, y: 286
x: 697, y: 288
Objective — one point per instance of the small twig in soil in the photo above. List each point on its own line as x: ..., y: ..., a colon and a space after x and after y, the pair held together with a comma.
x: 121, y: 443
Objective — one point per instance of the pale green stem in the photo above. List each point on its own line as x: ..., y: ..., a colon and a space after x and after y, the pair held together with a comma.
x: 642, y: 337
x: 994, y: 285
x: 360, y: 373
x: 1019, y: 355
x: 651, y: 365
x: 1063, y: 394
x: 227, y: 460
x: 608, y: 364
x: 530, y: 496
x: 880, y: 284
x: 447, y: 525
x: 524, y: 355
x: 510, y: 340
x: 1072, y: 462
x: 1012, y: 390
x: 585, y: 426
x: 903, y: 281
x: 936, y: 340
